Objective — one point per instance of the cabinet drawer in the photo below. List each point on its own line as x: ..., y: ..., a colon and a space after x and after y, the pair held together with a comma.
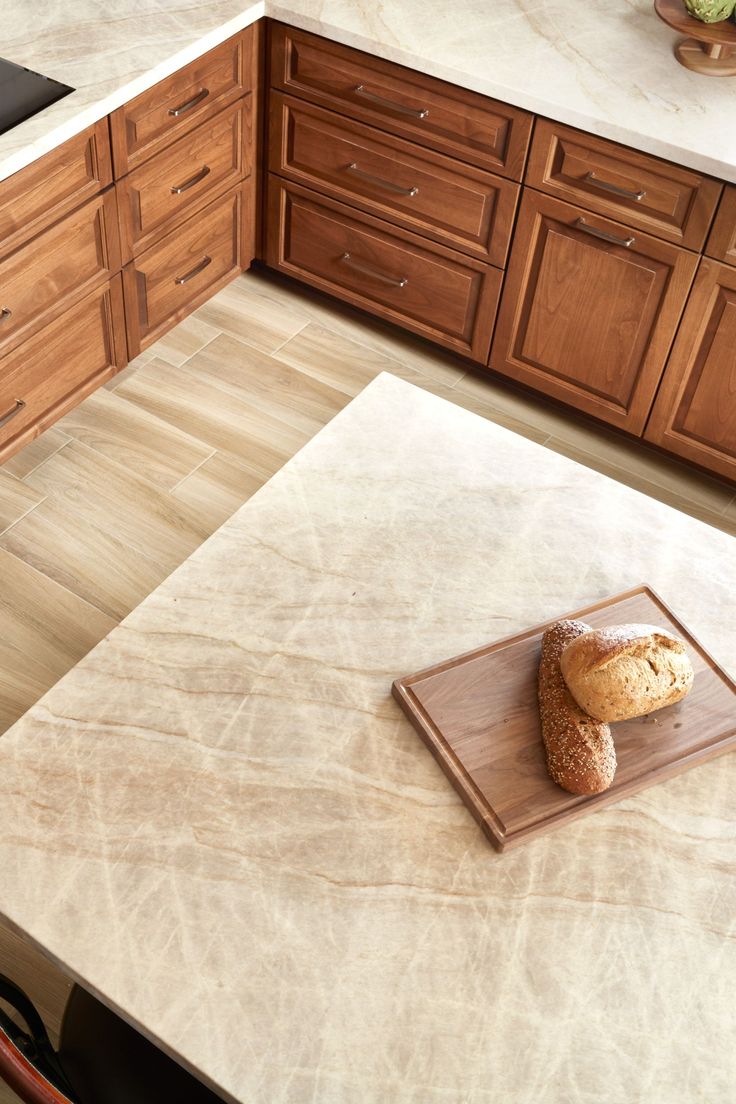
x: 172, y: 278
x: 49, y: 188
x: 185, y: 177
x: 424, y: 191
x: 39, y: 281
x: 442, y: 116
x: 43, y: 377
x: 440, y: 294
x: 722, y: 241
x: 695, y: 412
x: 589, y: 310
x: 663, y: 199
x: 179, y: 103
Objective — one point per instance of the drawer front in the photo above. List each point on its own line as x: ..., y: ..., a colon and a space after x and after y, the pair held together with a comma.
x: 440, y: 294
x: 43, y: 377
x: 41, y: 280
x: 401, y: 101
x: 589, y: 310
x: 666, y: 200
x: 182, y: 101
x: 172, y: 278
x: 722, y: 241
x: 186, y: 176
x: 424, y: 191
x: 49, y: 188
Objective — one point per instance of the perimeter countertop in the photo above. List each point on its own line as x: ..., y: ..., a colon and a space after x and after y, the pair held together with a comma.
x: 222, y: 823
x: 603, y: 65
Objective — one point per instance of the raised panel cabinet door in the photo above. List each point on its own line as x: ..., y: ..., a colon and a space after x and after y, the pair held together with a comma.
x: 695, y: 411
x: 589, y: 310
x: 722, y: 241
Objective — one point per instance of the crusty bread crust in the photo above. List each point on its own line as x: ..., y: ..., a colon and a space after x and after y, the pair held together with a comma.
x: 580, y: 753
x: 625, y: 671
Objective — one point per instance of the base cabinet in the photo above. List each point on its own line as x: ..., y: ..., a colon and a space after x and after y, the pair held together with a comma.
x: 694, y: 415
x: 589, y: 310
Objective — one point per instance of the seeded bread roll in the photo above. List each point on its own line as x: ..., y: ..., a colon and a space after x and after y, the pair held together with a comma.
x: 625, y: 671
x: 580, y: 753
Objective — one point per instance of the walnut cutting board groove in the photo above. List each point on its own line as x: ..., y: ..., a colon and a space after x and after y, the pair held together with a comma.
x: 478, y: 715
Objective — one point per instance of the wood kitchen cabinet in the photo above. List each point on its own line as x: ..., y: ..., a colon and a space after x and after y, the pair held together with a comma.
x: 694, y: 415
x: 722, y: 241
x: 589, y: 310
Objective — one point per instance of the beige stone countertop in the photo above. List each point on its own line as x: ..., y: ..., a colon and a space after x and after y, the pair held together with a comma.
x: 222, y: 823
x: 604, y: 65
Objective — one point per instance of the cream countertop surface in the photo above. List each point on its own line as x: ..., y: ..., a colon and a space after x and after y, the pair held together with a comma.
x: 222, y: 822
x: 604, y: 66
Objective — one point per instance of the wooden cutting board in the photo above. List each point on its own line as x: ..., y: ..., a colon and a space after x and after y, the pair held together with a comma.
x: 478, y: 714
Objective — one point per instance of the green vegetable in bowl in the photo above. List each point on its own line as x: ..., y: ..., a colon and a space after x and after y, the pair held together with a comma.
x: 710, y: 11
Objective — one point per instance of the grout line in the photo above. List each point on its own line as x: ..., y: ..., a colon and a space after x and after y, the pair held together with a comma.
x: 23, y: 515
x: 66, y: 589
x: 191, y: 473
x: 283, y: 343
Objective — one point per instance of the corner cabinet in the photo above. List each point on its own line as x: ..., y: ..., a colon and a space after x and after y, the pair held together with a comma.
x: 695, y: 412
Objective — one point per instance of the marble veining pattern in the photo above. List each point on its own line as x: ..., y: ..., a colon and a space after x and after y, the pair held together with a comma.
x: 221, y: 821
x: 604, y: 66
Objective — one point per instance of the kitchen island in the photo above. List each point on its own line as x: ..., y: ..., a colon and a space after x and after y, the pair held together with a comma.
x: 222, y: 823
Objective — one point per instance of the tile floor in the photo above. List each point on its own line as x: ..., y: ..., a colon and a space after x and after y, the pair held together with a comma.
x: 102, y: 507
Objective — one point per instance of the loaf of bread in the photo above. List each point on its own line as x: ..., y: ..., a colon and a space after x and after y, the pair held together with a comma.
x: 580, y: 753
x: 625, y: 671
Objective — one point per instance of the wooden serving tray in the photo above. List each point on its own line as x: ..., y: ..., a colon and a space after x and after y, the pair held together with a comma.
x: 478, y: 714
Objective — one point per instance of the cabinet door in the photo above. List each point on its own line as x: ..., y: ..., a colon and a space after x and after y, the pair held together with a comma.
x: 695, y: 412
x: 589, y: 310
x: 722, y: 241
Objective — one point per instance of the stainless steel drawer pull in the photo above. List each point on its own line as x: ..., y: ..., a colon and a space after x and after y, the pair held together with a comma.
x: 368, y: 271
x: 387, y: 184
x: 591, y: 178
x: 5, y: 313
x: 581, y: 224
x: 177, y: 189
x: 182, y: 109
x: 19, y: 405
x: 194, y: 272
x: 416, y: 113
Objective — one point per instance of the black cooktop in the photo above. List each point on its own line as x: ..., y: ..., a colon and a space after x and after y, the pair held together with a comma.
x: 23, y: 93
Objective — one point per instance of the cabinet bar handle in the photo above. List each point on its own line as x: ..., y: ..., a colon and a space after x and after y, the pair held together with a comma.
x: 591, y: 178
x: 387, y: 184
x: 19, y: 405
x: 581, y: 224
x: 183, y: 108
x: 401, y: 282
x: 177, y: 189
x: 5, y: 313
x: 194, y: 272
x: 416, y: 113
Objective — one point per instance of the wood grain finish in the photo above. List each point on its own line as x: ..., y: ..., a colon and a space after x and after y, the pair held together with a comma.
x: 433, y: 195
x: 479, y: 716
x: 663, y: 199
x: 434, y: 291
x: 168, y: 281
x: 695, y: 412
x: 55, y: 184
x: 722, y: 241
x: 587, y: 320
x: 182, y: 101
x: 401, y: 101
x: 57, y: 268
x: 49, y: 372
x: 185, y: 177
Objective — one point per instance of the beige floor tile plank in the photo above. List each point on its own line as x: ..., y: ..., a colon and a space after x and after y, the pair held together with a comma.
x: 16, y: 499
x: 214, y: 415
x: 269, y: 384
x: 247, y: 309
x: 218, y: 488
x: 129, y: 435
x: 35, y: 453
x: 730, y: 511
x: 186, y: 339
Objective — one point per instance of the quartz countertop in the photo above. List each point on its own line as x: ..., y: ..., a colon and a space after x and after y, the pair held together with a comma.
x: 222, y: 823
x: 604, y: 65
